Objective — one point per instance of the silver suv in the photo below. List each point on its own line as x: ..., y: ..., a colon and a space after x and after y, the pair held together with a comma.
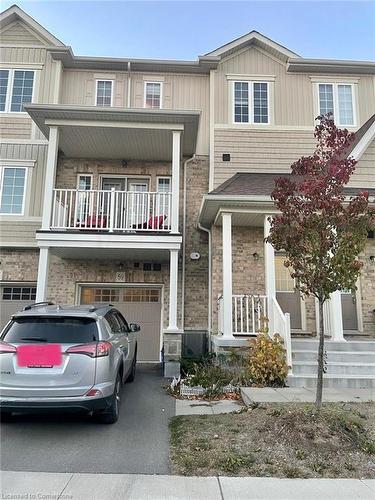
x: 66, y: 357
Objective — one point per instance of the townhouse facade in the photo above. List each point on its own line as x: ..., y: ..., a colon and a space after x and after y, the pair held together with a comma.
x: 146, y: 184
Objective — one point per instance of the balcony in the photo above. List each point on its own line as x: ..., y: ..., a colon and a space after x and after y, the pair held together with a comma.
x: 111, y: 211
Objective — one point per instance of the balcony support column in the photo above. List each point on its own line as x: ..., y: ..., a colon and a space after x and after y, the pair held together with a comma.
x: 176, y: 155
x: 53, y: 147
x: 42, y: 282
x: 269, y: 271
x: 227, y: 274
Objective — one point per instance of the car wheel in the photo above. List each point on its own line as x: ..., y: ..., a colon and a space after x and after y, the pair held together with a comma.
x: 131, y: 376
x: 110, y: 416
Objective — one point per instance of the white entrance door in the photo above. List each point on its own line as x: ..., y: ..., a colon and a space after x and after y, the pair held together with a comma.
x: 349, y: 311
x: 286, y: 294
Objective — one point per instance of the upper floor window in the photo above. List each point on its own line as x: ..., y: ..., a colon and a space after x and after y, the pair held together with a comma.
x: 251, y: 102
x: 338, y: 99
x: 164, y: 184
x: 153, y: 95
x: 12, y: 190
x: 104, y: 92
x: 16, y: 89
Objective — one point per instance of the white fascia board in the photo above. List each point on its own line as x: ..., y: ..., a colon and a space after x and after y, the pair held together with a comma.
x: 108, y: 124
x: 363, y: 143
x: 105, y: 241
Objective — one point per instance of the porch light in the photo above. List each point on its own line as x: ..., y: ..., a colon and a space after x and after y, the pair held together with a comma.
x: 256, y: 256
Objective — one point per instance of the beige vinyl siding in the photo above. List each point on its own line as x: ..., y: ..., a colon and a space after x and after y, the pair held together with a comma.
x: 180, y: 92
x: 15, y: 127
x: 78, y: 87
x: 18, y: 34
x: 37, y: 152
x: 259, y: 151
x: 293, y: 93
x: 364, y: 174
x: 15, y: 233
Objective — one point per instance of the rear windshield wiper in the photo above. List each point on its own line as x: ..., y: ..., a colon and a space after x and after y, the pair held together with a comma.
x: 37, y: 339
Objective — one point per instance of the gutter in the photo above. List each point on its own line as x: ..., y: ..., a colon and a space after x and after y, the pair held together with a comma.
x: 129, y: 84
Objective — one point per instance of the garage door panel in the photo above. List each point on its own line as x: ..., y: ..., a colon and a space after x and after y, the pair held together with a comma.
x: 13, y: 299
x: 138, y: 305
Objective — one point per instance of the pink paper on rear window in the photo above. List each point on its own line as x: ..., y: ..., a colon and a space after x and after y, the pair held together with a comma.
x: 39, y: 355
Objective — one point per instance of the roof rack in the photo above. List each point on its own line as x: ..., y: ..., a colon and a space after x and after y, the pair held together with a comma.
x: 37, y: 304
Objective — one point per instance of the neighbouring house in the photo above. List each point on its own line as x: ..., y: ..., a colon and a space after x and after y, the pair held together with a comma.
x: 146, y: 184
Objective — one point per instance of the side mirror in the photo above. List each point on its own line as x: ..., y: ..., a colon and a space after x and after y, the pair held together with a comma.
x: 134, y: 327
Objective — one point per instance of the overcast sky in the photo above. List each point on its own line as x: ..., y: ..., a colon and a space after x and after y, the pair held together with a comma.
x: 184, y: 30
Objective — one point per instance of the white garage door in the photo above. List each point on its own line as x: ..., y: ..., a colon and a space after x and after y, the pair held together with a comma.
x: 139, y: 305
x: 14, y: 298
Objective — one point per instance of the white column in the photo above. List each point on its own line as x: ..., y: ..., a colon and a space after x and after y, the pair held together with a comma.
x: 42, y: 283
x: 176, y: 154
x: 337, y: 332
x: 227, y: 274
x: 53, y: 147
x: 173, y: 291
x: 269, y: 272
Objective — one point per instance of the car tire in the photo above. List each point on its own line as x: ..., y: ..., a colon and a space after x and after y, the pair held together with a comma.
x: 111, y: 414
x: 131, y: 375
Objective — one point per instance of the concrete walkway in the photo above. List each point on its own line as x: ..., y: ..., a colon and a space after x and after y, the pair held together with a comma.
x: 252, y: 395
x: 197, y: 407
x: 59, y: 486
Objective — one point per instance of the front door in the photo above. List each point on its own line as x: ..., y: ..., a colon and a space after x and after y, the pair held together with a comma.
x: 118, y: 184
x: 349, y: 311
x: 287, y: 295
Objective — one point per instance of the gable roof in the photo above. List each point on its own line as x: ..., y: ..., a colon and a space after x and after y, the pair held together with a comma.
x: 14, y: 13
x: 253, y: 38
x: 363, y: 137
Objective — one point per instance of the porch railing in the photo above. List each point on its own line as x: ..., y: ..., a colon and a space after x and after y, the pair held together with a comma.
x: 111, y: 210
x: 253, y: 313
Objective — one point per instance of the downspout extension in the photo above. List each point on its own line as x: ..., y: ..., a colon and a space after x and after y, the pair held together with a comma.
x: 129, y: 85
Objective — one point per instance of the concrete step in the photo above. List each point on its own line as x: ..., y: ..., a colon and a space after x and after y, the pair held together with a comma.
x: 334, y: 368
x: 332, y: 381
x: 335, y: 356
x: 329, y: 345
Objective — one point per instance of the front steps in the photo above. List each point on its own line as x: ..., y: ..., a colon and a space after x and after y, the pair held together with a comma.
x: 350, y: 364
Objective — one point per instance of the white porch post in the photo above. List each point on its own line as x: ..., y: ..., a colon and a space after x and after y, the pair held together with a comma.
x: 53, y: 147
x: 227, y: 274
x: 334, y: 304
x: 42, y: 283
x: 176, y: 153
x: 173, y: 292
x: 269, y: 270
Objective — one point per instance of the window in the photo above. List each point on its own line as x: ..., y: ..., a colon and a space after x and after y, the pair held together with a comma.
x: 19, y: 293
x: 13, y: 183
x: 104, y: 92
x: 152, y: 95
x: 141, y: 295
x: 251, y: 102
x: 84, y: 182
x: 94, y: 295
x: 164, y: 184
x: 16, y: 89
x: 337, y: 98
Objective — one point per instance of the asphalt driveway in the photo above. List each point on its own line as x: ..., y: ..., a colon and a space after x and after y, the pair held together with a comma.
x: 137, y: 443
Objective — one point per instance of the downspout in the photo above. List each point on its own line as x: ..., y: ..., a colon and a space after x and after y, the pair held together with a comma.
x: 184, y: 245
x: 209, y: 319
x: 129, y: 85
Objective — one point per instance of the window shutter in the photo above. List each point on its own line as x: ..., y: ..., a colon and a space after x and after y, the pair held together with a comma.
x: 167, y: 97
x: 139, y: 97
x: 90, y: 92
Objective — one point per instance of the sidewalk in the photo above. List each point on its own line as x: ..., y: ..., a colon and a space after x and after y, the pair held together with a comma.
x: 52, y: 486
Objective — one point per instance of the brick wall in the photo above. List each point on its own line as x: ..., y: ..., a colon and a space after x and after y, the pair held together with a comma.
x: 19, y: 265
x: 367, y: 289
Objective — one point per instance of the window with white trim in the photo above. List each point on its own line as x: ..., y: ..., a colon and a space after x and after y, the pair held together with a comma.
x: 153, y: 95
x: 12, y: 190
x: 338, y: 99
x: 16, y: 89
x: 164, y: 184
x: 104, y: 90
x: 84, y: 182
x: 251, y: 102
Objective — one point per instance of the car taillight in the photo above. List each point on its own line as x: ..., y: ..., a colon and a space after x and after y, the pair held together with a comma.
x: 93, y: 349
x: 6, y: 348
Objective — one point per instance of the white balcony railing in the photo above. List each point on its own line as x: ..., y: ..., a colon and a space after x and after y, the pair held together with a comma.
x: 111, y: 210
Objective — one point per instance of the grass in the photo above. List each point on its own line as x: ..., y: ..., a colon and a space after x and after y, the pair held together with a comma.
x: 281, y: 440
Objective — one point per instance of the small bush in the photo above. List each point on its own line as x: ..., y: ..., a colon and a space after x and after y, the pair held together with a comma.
x: 267, y: 364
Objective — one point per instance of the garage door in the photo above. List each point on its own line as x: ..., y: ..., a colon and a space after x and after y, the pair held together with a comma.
x: 13, y: 299
x: 139, y: 305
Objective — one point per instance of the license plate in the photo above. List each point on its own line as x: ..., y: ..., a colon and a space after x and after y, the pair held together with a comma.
x: 39, y: 356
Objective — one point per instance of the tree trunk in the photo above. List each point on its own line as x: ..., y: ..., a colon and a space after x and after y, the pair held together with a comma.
x: 319, y: 385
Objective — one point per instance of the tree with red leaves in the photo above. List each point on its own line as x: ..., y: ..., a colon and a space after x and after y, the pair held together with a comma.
x: 321, y: 230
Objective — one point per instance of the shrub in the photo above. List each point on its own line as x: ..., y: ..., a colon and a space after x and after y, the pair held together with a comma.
x: 267, y: 364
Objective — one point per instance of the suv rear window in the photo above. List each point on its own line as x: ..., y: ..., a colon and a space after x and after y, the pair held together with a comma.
x: 62, y: 330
